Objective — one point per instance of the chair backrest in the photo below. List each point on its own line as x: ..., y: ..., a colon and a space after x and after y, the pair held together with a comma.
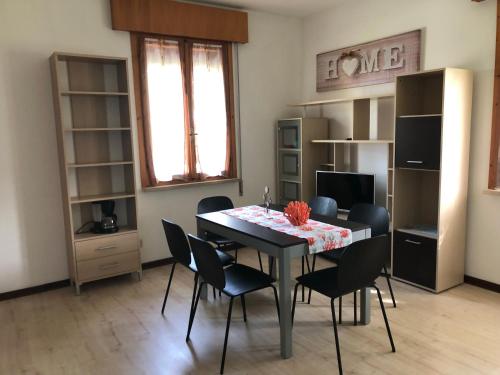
x: 212, y: 204
x: 375, y: 216
x: 208, y: 263
x: 323, y: 206
x: 361, y: 263
x: 177, y: 242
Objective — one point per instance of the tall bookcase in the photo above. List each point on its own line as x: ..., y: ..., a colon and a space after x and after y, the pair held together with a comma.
x: 430, y: 178
x: 93, y: 127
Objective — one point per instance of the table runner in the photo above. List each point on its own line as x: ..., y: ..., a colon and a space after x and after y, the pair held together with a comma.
x: 320, y: 236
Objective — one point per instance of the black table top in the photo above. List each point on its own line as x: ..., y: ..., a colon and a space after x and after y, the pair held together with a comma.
x: 269, y: 235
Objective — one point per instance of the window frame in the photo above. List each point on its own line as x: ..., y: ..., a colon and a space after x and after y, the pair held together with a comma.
x: 493, y: 178
x: 146, y: 181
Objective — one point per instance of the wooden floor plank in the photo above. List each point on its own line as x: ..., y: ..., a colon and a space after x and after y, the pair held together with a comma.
x: 115, y: 327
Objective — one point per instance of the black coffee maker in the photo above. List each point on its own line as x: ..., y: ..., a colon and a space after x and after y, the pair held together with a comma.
x: 105, y: 220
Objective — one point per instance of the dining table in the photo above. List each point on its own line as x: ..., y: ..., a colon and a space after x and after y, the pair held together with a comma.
x: 282, y: 247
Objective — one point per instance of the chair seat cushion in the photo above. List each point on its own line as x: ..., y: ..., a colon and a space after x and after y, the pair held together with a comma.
x: 225, y: 259
x: 241, y: 279
x: 323, y: 281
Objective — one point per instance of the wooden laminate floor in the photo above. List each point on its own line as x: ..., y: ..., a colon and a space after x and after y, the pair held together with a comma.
x: 115, y: 327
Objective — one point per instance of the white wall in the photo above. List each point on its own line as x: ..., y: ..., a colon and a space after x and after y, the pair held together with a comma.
x: 31, y: 224
x: 458, y: 33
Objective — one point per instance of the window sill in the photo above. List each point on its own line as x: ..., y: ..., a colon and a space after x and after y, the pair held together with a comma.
x: 493, y: 191
x: 189, y: 184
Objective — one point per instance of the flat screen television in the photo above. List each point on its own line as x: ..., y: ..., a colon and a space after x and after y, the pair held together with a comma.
x: 346, y: 188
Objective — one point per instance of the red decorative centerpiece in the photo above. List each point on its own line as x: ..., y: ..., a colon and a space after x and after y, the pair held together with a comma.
x: 297, y: 213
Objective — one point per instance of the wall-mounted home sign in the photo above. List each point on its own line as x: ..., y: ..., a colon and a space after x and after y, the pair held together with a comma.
x: 369, y: 63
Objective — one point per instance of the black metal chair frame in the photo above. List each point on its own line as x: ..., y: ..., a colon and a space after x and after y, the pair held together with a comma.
x: 321, y: 206
x: 183, y: 257
x: 355, y: 285
x: 216, y: 277
x: 381, y: 228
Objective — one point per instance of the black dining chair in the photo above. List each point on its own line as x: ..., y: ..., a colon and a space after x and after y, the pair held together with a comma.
x: 319, y: 206
x: 235, y: 281
x: 358, y: 267
x: 378, y: 219
x: 219, y: 203
x: 181, y: 252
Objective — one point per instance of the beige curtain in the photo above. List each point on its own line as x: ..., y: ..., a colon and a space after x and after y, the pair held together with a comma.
x: 209, y: 112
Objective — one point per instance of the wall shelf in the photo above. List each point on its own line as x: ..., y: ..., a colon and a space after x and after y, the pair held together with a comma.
x: 426, y: 115
x: 101, y: 197
x: 334, y: 101
x: 94, y: 93
x: 362, y: 141
x: 91, y: 236
x: 77, y: 130
x: 105, y: 164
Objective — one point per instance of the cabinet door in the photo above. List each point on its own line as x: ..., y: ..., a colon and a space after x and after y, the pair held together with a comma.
x: 414, y: 259
x: 289, y: 191
x: 289, y: 165
x: 289, y: 134
x: 418, y: 142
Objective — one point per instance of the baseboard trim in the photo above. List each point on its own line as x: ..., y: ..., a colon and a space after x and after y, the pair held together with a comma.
x: 482, y: 283
x: 34, y: 289
x: 64, y: 283
x: 157, y: 263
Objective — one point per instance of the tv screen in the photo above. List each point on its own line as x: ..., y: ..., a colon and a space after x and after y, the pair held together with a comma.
x: 346, y: 188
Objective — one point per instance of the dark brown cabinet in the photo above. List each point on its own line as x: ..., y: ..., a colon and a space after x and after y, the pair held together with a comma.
x: 418, y: 142
x: 414, y: 259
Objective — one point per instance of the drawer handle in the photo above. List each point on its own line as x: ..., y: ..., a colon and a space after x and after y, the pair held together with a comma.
x: 106, y: 248
x: 415, y: 162
x: 414, y: 242
x: 108, y: 266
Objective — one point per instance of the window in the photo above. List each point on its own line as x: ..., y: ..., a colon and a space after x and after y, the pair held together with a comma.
x: 185, y: 110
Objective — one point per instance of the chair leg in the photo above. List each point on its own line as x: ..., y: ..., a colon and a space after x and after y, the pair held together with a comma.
x: 260, y: 261
x: 387, y: 277
x: 337, y: 344
x: 244, y: 308
x: 307, y: 264
x: 276, y: 300
x: 195, y: 287
x: 303, y: 269
x: 193, y: 313
x: 340, y: 310
x: 226, y: 337
x: 168, y: 288
x: 271, y: 266
x: 385, y: 319
x: 312, y: 270
x: 355, y: 308
x: 294, y: 301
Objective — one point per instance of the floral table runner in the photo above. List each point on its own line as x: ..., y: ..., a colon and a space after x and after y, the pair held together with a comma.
x: 320, y: 236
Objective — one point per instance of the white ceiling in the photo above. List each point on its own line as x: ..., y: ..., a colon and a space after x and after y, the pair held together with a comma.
x: 297, y: 8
